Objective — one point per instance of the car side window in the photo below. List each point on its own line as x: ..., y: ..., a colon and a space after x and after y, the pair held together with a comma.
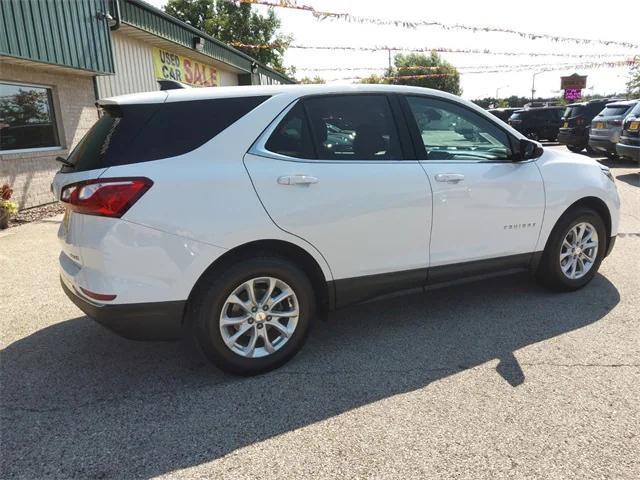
x: 292, y: 136
x: 353, y: 127
x: 452, y: 132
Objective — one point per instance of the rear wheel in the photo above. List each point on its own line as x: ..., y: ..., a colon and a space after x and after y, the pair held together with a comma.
x: 254, y: 316
x: 574, y: 250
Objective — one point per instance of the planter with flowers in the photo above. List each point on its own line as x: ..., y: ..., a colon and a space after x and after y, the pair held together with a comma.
x: 7, y: 207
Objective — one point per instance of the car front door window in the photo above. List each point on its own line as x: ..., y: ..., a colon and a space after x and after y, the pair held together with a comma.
x: 452, y: 132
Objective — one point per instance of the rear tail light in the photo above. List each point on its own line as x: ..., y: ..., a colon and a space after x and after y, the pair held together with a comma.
x: 108, y: 197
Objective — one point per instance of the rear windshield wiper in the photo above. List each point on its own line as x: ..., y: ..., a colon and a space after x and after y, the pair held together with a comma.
x: 65, y: 162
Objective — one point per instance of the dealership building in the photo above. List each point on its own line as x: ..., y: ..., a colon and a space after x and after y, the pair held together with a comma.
x: 58, y: 57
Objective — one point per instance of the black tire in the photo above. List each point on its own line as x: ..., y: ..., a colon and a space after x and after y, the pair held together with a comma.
x: 549, y: 272
x: 575, y: 148
x: 212, y: 294
x: 612, y: 156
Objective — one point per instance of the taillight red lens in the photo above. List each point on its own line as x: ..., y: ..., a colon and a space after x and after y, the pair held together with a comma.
x: 107, y: 197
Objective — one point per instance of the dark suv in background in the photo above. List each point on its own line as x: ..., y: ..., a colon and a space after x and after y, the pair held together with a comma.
x: 574, y: 132
x: 606, y: 127
x: 503, y: 113
x: 538, y: 123
x: 629, y: 144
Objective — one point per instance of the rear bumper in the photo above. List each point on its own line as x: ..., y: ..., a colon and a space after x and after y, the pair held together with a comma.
x: 137, y: 321
x: 602, y: 145
x: 573, y: 138
x: 629, y: 151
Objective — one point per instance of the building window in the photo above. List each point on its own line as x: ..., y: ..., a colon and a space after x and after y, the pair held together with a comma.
x: 26, y: 118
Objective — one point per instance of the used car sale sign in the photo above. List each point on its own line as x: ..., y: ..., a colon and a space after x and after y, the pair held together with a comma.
x: 169, y: 66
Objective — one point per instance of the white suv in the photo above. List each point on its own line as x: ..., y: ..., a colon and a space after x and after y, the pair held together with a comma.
x: 237, y: 215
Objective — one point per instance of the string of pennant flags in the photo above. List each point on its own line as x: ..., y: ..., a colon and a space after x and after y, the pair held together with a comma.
x: 506, y: 67
x: 413, y: 24
x: 481, y: 51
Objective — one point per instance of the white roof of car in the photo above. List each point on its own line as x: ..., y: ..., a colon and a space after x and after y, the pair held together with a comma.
x: 292, y: 91
x: 188, y: 94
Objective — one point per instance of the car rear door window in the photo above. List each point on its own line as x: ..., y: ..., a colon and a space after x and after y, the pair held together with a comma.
x: 353, y: 127
x: 292, y: 136
x: 338, y: 127
x: 137, y: 133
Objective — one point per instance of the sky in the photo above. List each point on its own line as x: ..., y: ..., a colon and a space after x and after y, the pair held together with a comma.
x: 576, y: 19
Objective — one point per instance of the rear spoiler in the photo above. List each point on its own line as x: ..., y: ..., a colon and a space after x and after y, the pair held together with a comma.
x: 172, y: 85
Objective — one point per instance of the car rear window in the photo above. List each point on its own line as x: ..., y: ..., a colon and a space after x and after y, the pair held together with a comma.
x: 573, y: 111
x: 128, y: 134
x: 615, y: 110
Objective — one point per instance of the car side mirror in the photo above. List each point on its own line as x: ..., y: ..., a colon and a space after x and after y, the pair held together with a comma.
x: 528, y: 150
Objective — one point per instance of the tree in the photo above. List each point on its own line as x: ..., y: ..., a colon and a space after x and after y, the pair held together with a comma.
x: 229, y: 23
x: 633, y: 85
x: 374, y: 79
x: 25, y: 107
x: 445, y: 76
x: 308, y: 81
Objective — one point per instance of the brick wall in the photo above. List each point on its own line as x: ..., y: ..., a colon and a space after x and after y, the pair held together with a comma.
x: 30, y: 173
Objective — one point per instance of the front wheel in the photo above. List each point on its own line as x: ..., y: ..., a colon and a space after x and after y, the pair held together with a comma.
x: 253, y: 316
x: 574, y: 251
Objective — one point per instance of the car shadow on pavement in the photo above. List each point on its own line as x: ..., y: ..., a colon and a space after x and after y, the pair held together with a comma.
x: 78, y: 401
x: 632, y: 179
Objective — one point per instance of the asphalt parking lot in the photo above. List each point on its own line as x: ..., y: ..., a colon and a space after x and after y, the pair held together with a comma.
x: 498, y: 379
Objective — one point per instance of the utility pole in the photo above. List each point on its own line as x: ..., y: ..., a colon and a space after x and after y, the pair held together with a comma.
x: 389, y: 50
x: 498, y: 90
x: 533, y: 84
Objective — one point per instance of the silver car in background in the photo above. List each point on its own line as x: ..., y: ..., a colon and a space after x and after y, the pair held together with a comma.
x: 629, y: 144
x: 606, y: 127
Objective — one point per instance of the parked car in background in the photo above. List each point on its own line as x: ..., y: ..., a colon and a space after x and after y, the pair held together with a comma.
x: 274, y: 227
x: 629, y: 144
x: 538, y: 122
x: 606, y: 127
x: 503, y: 113
x: 576, y: 121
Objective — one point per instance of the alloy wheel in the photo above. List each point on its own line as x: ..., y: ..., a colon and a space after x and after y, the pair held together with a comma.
x: 259, y: 317
x: 579, y: 250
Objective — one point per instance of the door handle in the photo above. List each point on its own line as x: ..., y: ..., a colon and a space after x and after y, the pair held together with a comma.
x: 449, y: 177
x: 297, y: 180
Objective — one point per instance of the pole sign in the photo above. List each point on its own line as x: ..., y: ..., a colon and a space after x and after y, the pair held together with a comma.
x: 572, y: 94
x: 572, y: 86
x: 169, y: 66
